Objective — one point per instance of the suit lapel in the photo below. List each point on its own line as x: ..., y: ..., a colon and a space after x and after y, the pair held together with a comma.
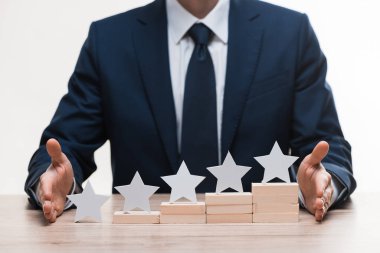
x: 244, y: 44
x: 151, y: 45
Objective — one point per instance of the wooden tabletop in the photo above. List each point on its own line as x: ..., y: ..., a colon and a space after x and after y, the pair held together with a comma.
x: 353, y: 228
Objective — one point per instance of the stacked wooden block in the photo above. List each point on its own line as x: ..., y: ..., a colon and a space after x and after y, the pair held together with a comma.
x: 229, y: 207
x: 275, y: 202
x: 136, y: 217
x: 183, y: 213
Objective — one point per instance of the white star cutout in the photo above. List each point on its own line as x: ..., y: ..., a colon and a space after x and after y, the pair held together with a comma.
x: 136, y: 194
x: 183, y: 184
x: 229, y: 175
x: 276, y: 164
x: 88, y: 203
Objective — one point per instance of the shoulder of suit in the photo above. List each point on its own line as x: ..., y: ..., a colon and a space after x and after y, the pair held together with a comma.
x: 272, y: 9
x: 275, y: 17
x: 124, y: 18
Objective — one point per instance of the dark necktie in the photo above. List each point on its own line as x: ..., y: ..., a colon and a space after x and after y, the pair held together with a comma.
x: 199, y: 148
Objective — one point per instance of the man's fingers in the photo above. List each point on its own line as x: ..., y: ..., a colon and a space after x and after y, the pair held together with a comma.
x: 320, y: 187
x: 50, y: 212
x: 53, y: 217
x: 327, y: 195
x: 46, y: 197
x: 322, y: 204
x: 319, y: 214
x: 318, y: 204
x: 47, y: 209
x: 54, y: 150
x: 46, y: 188
x: 319, y: 152
x: 320, y: 208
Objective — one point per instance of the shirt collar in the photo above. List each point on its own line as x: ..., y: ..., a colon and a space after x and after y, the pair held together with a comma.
x: 180, y: 20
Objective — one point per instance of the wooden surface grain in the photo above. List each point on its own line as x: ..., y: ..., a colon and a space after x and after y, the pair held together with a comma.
x: 355, y: 227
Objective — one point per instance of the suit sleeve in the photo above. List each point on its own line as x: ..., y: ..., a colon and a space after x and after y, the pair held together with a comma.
x: 78, y: 123
x: 314, y: 116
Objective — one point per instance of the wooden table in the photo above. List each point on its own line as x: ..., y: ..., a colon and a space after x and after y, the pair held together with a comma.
x: 353, y: 228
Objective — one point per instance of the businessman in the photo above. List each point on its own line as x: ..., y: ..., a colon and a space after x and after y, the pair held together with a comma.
x: 191, y: 80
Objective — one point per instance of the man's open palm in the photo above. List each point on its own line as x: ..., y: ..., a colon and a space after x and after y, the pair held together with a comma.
x: 315, y: 181
x: 56, y: 182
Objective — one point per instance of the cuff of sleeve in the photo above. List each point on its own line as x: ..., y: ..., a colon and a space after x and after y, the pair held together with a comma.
x: 32, y: 182
x: 34, y: 191
x: 336, y: 187
x: 301, y: 198
x: 341, y: 190
x: 68, y: 203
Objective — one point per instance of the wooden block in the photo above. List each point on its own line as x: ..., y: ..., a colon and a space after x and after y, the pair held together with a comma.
x: 228, y: 198
x: 284, y: 199
x: 183, y: 208
x: 275, y: 217
x: 273, y: 207
x: 229, y: 218
x: 183, y: 219
x: 229, y: 209
x: 136, y: 217
x: 275, y: 189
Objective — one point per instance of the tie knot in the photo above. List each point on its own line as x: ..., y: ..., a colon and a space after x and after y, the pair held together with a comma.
x: 200, y: 34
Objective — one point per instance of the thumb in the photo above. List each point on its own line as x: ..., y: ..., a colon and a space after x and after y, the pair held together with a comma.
x: 55, y: 152
x: 319, y: 152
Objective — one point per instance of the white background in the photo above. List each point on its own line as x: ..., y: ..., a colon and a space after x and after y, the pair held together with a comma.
x: 40, y: 42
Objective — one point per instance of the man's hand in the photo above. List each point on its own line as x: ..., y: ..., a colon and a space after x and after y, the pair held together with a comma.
x: 56, y: 182
x: 315, y: 182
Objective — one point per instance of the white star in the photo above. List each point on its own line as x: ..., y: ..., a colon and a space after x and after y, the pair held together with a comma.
x: 229, y: 175
x: 276, y: 164
x: 137, y: 194
x: 88, y: 203
x: 183, y: 184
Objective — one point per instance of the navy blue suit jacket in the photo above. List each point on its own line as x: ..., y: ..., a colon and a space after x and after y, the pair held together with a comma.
x: 121, y: 91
